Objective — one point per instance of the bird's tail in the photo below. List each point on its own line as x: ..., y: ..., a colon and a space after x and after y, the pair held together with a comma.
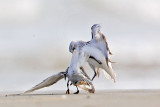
x: 47, y: 82
x: 109, y: 73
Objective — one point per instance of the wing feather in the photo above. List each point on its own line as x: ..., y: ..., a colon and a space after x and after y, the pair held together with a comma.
x: 97, y: 54
x: 108, y: 49
x: 47, y: 82
x: 111, y: 71
x: 84, y: 72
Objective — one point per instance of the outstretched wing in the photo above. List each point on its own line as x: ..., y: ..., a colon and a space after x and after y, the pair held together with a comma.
x: 47, y: 82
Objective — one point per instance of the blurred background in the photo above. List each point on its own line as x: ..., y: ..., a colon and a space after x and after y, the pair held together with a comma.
x: 35, y: 36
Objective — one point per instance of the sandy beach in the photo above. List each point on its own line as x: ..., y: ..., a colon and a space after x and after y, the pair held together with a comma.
x: 112, y: 98
x: 35, y: 37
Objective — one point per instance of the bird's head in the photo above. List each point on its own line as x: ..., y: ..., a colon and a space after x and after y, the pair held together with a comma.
x: 72, y: 46
x: 95, y: 28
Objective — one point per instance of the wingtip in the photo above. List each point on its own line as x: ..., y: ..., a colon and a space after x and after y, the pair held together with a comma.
x: 30, y: 90
x: 27, y: 92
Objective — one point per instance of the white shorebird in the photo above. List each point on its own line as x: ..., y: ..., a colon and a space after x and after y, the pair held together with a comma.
x: 99, y: 41
x: 75, y: 74
x: 95, y: 52
x: 96, y: 58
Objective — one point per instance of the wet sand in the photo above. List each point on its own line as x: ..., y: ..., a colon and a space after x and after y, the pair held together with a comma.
x: 112, y: 98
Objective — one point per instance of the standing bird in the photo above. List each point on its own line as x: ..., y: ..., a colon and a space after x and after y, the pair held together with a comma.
x: 99, y: 41
x: 85, y: 80
x: 75, y: 74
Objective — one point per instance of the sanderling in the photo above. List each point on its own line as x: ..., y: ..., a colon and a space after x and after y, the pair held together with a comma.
x: 95, y: 52
x: 75, y: 74
x: 99, y: 40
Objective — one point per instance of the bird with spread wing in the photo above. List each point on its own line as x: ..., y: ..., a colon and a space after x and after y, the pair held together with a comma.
x: 95, y: 52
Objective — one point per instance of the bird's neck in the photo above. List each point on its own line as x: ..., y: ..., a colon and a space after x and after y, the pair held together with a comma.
x: 96, y: 35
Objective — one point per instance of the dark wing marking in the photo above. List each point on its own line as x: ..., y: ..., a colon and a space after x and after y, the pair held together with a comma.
x: 95, y: 59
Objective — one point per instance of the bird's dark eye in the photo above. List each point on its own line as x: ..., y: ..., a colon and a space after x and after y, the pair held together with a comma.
x: 73, y: 48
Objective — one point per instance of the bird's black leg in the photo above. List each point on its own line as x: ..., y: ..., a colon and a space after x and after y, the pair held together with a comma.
x: 93, y: 68
x: 77, y: 91
x: 67, y: 92
x: 95, y: 74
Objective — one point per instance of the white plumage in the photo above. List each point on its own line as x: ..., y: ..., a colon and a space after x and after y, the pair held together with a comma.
x: 99, y: 60
x: 99, y: 40
x: 95, y: 52
x: 48, y: 82
x: 76, y: 74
